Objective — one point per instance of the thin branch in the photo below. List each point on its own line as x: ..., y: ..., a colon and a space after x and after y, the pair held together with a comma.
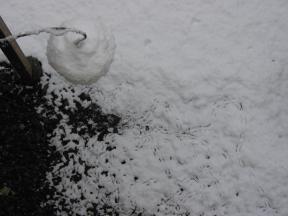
x: 57, y: 31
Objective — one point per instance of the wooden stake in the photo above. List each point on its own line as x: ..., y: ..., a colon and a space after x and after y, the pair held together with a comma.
x: 14, y: 54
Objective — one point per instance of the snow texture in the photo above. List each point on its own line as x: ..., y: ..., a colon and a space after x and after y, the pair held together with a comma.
x: 202, y: 87
x: 86, y: 62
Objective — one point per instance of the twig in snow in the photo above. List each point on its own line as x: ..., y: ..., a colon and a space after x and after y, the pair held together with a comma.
x: 57, y: 31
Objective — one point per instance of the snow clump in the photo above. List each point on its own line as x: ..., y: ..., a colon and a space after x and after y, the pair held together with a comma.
x: 86, y: 62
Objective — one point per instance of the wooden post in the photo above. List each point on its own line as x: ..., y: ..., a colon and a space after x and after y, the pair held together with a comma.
x: 15, y: 54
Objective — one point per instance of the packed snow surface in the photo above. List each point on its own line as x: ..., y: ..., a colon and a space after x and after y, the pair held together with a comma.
x: 201, y: 86
x: 86, y: 62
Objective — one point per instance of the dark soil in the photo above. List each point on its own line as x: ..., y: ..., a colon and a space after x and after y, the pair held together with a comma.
x: 25, y: 153
x: 24, y: 157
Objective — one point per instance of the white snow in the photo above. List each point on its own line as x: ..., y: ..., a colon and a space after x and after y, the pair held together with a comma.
x: 86, y: 62
x: 209, y: 78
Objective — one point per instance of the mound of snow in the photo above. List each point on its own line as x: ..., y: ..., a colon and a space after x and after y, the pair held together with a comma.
x: 86, y: 62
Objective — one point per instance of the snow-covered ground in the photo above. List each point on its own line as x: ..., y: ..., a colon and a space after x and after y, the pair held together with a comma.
x: 202, y: 89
